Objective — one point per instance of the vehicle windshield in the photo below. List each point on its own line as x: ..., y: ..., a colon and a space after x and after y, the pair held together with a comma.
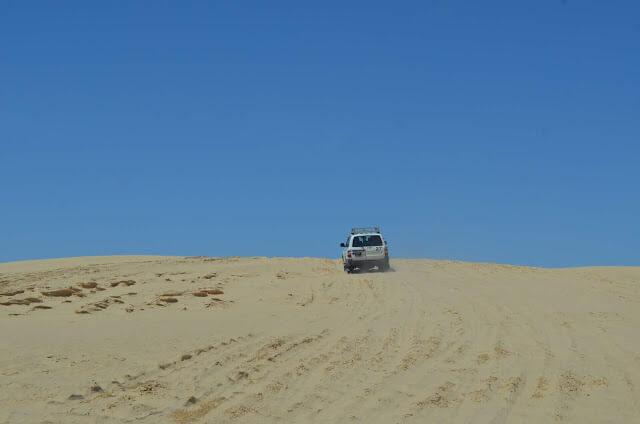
x: 364, y: 241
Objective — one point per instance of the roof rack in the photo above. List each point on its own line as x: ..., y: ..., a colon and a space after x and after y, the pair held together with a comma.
x: 359, y: 230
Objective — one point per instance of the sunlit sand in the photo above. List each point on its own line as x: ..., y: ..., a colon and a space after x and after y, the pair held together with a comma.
x: 260, y: 340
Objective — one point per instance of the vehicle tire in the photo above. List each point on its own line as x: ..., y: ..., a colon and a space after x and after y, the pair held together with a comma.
x: 384, y: 266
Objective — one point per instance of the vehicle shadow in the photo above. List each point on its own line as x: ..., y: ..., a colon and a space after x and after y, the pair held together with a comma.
x: 373, y: 270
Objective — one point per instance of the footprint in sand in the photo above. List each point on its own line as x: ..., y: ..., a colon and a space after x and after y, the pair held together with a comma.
x: 27, y: 301
x: 541, y: 388
x: 212, y: 291
x: 123, y: 283
x: 99, y: 306
x: 215, y: 301
x: 61, y: 292
x: 444, y: 397
x: 11, y: 293
x: 570, y: 383
x: 511, y: 384
x: 169, y: 300
x: 482, y: 358
x: 498, y: 353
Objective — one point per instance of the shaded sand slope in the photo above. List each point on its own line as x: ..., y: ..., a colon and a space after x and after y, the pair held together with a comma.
x: 257, y: 340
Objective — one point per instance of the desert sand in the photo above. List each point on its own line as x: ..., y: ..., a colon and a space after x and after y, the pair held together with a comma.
x: 263, y: 340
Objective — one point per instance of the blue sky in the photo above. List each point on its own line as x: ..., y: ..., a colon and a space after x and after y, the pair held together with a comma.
x: 481, y: 131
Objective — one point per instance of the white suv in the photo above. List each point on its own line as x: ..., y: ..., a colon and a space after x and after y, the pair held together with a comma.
x: 365, y: 248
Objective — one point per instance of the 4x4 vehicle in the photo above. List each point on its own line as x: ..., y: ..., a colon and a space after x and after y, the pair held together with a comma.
x: 365, y: 248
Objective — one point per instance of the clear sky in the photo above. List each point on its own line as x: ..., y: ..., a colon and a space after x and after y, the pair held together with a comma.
x: 471, y: 130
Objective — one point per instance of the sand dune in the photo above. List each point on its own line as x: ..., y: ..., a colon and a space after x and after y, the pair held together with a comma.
x: 260, y: 340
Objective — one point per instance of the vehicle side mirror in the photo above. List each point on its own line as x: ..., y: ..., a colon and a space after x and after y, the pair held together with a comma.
x: 343, y: 245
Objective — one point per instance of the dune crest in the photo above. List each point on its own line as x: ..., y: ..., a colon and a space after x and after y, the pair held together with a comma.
x: 266, y: 340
